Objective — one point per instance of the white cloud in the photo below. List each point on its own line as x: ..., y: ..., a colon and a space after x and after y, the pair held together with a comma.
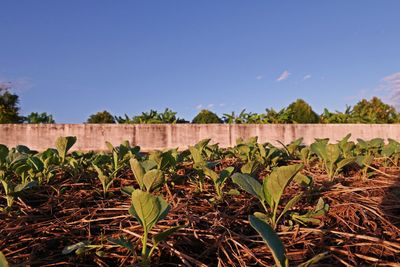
x: 308, y: 76
x: 259, y: 77
x: 391, y: 84
x: 201, y: 106
x: 283, y: 76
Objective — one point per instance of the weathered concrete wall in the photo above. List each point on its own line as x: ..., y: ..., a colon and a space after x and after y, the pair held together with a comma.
x: 159, y: 136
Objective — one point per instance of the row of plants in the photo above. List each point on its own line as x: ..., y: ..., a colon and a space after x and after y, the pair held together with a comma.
x: 263, y: 171
x: 365, y: 111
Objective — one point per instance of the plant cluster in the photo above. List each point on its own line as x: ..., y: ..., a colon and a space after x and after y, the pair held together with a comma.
x: 282, y: 180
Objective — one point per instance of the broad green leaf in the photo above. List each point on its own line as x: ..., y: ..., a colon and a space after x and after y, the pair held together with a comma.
x: 333, y: 153
x: 153, y: 179
x: 3, y: 260
x: 272, y: 240
x: 148, y: 209
x: 25, y: 186
x: 291, y: 203
x: 344, y: 162
x: 248, y: 184
x: 225, y: 174
x: 250, y: 167
x: 196, y: 155
x: 202, y: 144
x: 302, y: 179
x: 128, y: 190
x: 3, y: 153
x: 279, y: 179
x: 63, y: 144
x: 163, y: 235
x: 319, y: 148
x: 305, y: 153
x: 36, y: 163
x: 110, y: 146
x: 138, y: 171
x: 210, y: 173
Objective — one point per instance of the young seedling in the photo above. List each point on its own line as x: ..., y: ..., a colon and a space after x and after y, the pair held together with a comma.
x: 270, y: 192
x: 11, y: 190
x: 147, y: 179
x: 148, y: 210
x: 331, y: 157
x: 105, y: 179
x: 219, y: 179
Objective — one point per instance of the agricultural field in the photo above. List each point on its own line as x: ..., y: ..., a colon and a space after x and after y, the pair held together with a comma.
x: 333, y: 203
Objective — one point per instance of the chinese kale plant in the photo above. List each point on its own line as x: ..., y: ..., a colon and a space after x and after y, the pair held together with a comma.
x: 270, y: 192
x: 331, y: 157
x: 148, y: 210
x: 219, y: 179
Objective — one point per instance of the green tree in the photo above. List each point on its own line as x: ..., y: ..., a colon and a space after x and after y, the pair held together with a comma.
x: 101, y: 117
x: 9, y: 109
x: 206, y: 116
x: 302, y: 112
x: 374, y: 111
x: 36, y: 117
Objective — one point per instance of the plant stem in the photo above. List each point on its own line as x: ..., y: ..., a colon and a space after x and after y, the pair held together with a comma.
x: 144, y: 249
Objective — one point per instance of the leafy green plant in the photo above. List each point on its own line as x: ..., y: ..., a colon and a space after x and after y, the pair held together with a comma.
x: 331, y: 157
x: 270, y: 192
x: 148, y: 179
x: 12, y: 189
x: 365, y: 161
x: 106, y: 178
x: 391, y: 152
x: 219, y: 179
x: 148, y: 210
x: 293, y: 149
x: 313, y: 216
x: 122, y: 154
x: 164, y: 160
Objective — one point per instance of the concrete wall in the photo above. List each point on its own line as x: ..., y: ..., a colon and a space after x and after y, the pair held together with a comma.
x: 159, y: 136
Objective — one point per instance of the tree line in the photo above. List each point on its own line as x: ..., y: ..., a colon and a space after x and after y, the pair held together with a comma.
x: 365, y: 111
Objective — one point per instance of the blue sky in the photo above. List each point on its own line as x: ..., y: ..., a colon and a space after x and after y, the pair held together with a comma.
x: 74, y: 58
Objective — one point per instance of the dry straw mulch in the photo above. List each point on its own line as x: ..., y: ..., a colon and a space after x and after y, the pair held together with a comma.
x: 361, y: 229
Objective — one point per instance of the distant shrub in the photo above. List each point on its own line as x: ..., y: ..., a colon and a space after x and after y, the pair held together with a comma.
x: 36, y: 117
x: 206, y: 116
x: 302, y: 112
x: 101, y: 117
x: 374, y: 111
